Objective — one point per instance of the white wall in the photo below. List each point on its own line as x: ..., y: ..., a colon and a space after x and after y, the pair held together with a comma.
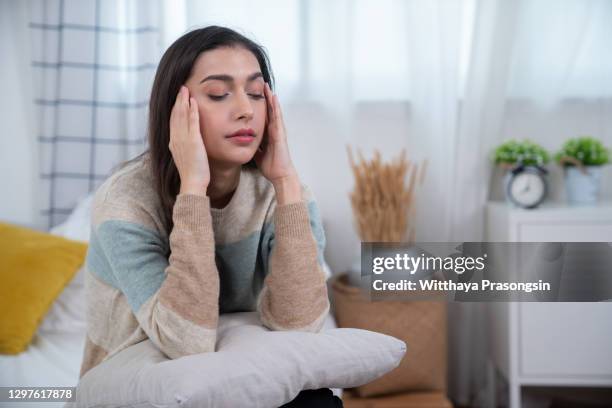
x: 18, y: 152
x: 321, y: 159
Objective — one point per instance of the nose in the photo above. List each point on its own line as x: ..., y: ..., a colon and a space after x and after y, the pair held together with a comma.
x: 243, y: 108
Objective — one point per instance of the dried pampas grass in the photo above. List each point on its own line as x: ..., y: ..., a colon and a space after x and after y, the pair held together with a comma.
x: 382, y: 202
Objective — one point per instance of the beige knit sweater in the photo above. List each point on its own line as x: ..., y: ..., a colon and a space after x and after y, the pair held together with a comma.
x: 170, y: 286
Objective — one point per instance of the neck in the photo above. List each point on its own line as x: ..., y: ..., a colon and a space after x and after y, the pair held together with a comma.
x: 223, y: 182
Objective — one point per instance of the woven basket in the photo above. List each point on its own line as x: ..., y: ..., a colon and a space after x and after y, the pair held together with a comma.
x: 420, y: 324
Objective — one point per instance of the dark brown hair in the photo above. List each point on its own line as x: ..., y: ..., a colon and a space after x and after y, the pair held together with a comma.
x: 173, y: 71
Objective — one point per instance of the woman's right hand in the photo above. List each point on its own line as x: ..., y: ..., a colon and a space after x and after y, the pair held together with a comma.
x: 187, y: 146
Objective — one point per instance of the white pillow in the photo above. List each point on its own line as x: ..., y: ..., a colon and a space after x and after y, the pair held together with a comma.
x: 78, y: 224
x: 67, y: 313
x: 253, y: 367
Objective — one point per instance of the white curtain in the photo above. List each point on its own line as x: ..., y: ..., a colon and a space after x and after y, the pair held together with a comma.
x: 560, y: 83
x: 446, y: 79
x: 93, y: 63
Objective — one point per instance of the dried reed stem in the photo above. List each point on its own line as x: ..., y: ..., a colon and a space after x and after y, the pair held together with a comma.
x: 382, y: 202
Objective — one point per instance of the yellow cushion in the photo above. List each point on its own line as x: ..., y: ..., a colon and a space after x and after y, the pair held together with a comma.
x: 35, y: 267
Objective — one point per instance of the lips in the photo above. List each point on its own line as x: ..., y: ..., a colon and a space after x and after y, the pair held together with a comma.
x: 242, y: 137
x: 245, y: 132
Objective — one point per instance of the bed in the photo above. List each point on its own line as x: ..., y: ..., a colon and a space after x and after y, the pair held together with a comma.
x: 53, y: 358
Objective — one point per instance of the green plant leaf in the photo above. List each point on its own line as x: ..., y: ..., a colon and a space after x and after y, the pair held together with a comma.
x: 527, y: 152
x: 586, y: 149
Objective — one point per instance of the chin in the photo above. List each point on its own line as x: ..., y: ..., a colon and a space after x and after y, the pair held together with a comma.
x: 245, y: 158
x: 238, y: 159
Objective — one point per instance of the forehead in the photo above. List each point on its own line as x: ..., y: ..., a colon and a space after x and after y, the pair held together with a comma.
x: 235, y: 61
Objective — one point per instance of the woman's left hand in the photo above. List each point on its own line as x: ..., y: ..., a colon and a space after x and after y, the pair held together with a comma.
x: 272, y: 158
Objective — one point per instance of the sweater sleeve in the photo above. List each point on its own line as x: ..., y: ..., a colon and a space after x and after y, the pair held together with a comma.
x: 174, y: 299
x: 294, y: 295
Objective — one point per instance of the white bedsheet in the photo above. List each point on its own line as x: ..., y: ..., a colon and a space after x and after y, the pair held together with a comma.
x: 51, y: 360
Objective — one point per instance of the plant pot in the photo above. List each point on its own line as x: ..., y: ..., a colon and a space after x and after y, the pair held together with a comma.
x: 582, y: 187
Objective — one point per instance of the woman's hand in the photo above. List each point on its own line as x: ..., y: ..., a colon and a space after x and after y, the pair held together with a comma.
x: 187, y: 146
x: 273, y: 158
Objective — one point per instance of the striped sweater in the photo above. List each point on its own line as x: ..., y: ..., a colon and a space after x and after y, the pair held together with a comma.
x: 170, y: 286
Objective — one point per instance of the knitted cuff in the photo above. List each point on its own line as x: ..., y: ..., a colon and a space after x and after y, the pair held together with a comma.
x: 192, y: 210
x: 292, y: 220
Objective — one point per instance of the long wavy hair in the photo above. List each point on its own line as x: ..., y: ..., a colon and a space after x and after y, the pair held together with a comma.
x: 173, y: 71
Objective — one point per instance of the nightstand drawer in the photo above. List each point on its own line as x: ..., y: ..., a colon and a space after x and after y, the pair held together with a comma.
x: 565, y: 339
x: 565, y: 232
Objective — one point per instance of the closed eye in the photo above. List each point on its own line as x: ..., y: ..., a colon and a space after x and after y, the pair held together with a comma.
x: 221, y: 97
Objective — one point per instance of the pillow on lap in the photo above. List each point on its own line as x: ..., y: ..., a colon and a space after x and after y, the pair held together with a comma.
x: 253, y: 367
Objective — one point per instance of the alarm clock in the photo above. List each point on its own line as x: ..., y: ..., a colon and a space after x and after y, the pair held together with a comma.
x: 526, y: 185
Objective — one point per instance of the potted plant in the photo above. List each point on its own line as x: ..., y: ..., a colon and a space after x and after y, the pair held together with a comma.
x: 525, y: 179
x: 582, y: 158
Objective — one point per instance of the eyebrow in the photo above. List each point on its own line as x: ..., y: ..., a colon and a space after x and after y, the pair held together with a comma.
x: 229, y: 78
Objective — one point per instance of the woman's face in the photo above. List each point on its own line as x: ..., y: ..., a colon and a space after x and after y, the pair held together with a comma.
x: 229, y: 88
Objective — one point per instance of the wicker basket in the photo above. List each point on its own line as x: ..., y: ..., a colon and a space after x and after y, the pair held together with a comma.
x: 420, y: 324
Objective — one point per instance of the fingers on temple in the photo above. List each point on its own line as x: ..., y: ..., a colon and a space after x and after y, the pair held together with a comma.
x: 194, y: 117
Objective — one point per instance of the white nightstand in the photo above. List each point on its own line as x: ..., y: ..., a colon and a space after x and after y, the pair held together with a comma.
x: 550, y: 344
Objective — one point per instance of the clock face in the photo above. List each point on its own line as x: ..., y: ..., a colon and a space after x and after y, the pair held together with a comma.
x: 527, y: 188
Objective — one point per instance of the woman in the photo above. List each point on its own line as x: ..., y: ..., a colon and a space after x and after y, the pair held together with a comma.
x: 211, y: 219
